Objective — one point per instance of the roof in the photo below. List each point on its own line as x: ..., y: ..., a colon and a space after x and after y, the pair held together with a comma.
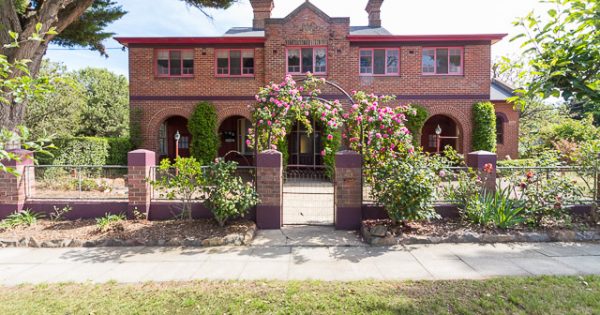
x: 368, y: 31
x: 500, y: 91
x: 244, y: 32
x: 494, y: 38
x: 126, y: 41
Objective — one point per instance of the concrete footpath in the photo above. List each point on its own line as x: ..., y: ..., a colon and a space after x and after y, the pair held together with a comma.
x: 297, y: 254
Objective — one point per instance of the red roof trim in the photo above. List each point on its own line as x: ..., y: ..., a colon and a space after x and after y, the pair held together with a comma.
x: 426, y: 38
x: 188, y: 40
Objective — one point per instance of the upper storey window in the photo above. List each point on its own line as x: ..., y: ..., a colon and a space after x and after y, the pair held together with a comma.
x: 443, y: 61
x: 235, y: 62
x: 308, y: 59
x: 380, y: 61
x: 175, y: 63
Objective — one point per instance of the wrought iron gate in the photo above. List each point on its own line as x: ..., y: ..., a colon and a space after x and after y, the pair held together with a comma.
x: 308, y: 195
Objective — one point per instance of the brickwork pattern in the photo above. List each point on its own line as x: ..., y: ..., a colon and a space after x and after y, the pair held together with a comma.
x: 510, y: 147
x: 348, y: 187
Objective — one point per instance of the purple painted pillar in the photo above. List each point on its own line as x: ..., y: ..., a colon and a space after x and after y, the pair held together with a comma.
x: 139, y: 164
x: 269, y: 186
x: 13, y: 191
x: 348, y: 190
x: 485, y: 162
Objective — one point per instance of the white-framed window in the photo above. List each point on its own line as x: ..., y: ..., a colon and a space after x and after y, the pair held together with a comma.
x: 175, y: 62
x: 442, y: 61
x: 235, y: 62
x: 301, y: 60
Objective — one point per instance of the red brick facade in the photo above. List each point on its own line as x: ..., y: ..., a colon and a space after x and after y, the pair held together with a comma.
x: 449, y: 95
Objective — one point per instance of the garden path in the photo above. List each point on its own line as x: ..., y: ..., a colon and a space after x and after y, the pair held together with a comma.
x: 300, y: 257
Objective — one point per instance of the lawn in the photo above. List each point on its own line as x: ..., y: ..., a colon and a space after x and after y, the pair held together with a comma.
x: 541, y: 295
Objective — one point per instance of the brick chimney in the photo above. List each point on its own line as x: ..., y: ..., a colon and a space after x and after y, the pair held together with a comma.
x: 262, y: 11
x: 374, y: 10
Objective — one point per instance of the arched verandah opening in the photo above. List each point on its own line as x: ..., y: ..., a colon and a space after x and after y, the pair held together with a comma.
x: 233, y: 133
x: 450, y: 134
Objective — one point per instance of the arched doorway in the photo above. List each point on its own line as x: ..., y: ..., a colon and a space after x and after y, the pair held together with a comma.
x: 450, y: 134
x: 233, y: 133
x: 166, y: 138
x: 304, y: 149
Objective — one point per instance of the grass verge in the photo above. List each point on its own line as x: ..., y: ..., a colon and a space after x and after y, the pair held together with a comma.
x: 538, y: 295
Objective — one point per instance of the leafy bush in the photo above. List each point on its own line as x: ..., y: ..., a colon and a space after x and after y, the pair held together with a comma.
x: 329, y: 157
x: 182, y: 180
x: 570, y: 129
x: 109, y: 221
x: 21, y: 218
x: 79, y: 151
x: 227, y: 195
x: 494, y: 208
x: 203, y: 128
x: 416, y: 122
x: 484, y: 127
x: 517, y: 163
x: 135, y: 127
x: 406, y: 188
x: 117, y: 151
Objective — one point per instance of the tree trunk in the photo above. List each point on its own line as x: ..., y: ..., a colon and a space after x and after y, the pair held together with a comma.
x: 56, y: 13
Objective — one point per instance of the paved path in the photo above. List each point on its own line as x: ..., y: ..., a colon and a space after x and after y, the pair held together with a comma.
x: 456, y: 261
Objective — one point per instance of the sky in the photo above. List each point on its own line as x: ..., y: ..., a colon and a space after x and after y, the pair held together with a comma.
x: 401, y: 17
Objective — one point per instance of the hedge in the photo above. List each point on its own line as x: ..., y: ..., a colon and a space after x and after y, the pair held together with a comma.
x: 518, y: 163
x: 484, y: 127
x: 88, y: 151
x: 416, y: 122
x: 203, y: 128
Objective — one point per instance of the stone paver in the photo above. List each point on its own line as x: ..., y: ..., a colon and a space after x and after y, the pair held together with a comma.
x: 283, y: 262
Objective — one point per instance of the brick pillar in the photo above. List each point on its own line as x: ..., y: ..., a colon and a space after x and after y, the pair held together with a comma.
x: 348, y: 190
x: 478, y: 160
x: 139, y: 163
x: 12, y: 186
x: 269, y: 185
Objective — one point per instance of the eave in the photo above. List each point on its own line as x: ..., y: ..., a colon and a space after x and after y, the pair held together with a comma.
x: 493, y: 38
x: 185, y: 41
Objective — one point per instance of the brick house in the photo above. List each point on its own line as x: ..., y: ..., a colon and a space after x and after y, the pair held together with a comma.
x: 447, y: 74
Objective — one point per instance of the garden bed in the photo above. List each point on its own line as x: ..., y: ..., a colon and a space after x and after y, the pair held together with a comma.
x: 384, y: 232
x: 86, y: 233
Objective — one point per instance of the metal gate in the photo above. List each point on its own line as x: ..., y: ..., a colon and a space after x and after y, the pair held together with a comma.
x: 308, y: 195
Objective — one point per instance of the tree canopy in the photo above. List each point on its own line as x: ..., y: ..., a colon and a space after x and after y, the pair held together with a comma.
x: 562, y: 55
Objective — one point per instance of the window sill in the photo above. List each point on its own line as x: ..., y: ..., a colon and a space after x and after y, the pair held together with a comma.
x: 174, y: 77
x: 442, y: 75
x: 235, y: 76
x: 395, y: 75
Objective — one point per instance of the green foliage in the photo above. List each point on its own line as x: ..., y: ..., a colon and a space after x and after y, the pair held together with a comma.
x: 406, y: 187
x: 109, y: 221
x: 135, y: 127
x: 415, y: 122
x: 578, y: 131
x: 57, y: 112
x: 518, y: 163
x: 227, y: 195
x: 106, y: 113
x: 563, y: 49
x: 494, y: 209
x: 484, y: 127
x: 58, y: 214
x: 203, y: 127
x: 117, y: 151
x: 79, y: 151
x: 21, y: 218
x: 182, y: 180
x: 329, y: 157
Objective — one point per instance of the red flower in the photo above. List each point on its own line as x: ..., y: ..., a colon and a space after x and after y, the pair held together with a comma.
x: 530, y: 174
x: 488, y: 168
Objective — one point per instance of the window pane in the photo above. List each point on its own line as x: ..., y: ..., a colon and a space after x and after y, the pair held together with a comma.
x: 307, y: 60
x: 455, y: 61
x: 392, y: 61
x: 428, y: 61
x: 379, y: 61
x: 235, y: 57
x: 442, y: 61
x: 366, y: 61
x: 188, y: 62
x: 320, y: 60
x: 175, y: 61
x: 223, y: 62
x: 293, y: 61
x: 249, y: 65
x: 162, y: 62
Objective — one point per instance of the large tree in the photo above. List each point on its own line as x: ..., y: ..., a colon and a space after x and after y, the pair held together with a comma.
x: 73, y: 23
x: 563, y: 54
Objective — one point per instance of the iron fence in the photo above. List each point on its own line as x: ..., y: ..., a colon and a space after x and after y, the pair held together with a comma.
x: 246, y: 173
x: 76, y: 182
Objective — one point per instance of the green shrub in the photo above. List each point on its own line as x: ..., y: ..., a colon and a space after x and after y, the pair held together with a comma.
x: 203, y: 128
x: 495, y: 209
x: 21, y: 218
x: 108, y: 221
x: 518, y: 163
x: 578, y: 131
x: 406, y: 187
x: 329, y: 158
x: 484, y: 127
x: 416, y: 122
x: 117, y: 151
x: 135, y: 127
x: 227, y: 195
